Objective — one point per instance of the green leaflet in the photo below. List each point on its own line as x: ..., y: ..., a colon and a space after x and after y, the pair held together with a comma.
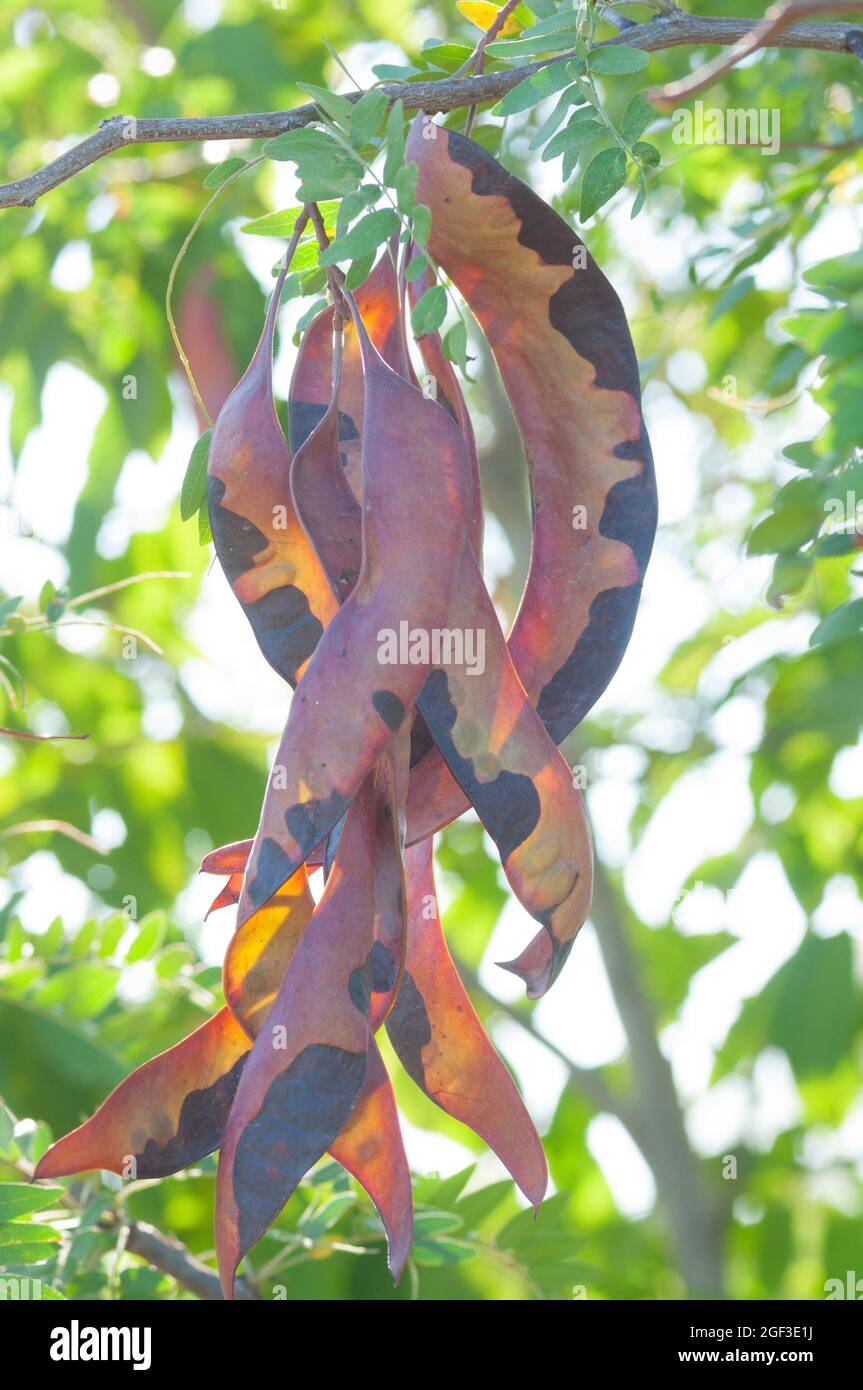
x: 604, y: 175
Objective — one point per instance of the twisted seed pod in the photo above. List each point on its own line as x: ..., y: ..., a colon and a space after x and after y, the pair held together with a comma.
x: 379, y: 310
x: 484, y: 725
x: 347, y: 709
x: 324, y: 501
x: 331, y: 518
x: 308, y: 1065
x: 390, y: 894
x: 519, y: 783
x: 433, y: 1027
x: 167, y: 1114
x: 370, y: 953
x: 176, y: 1107
x: 369, y: 1145
x: 443, y: 1046
x: 563, y: 348
x: 326, y: 484
x: 268, y: 562
x: 172, y: 1111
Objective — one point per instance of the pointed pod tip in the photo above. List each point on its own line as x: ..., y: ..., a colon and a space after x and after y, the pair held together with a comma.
x: 530, y: 1173
x: 399, y: 1247
x: 536, y: 1190
x: 540, y: 963
x: 60, y: 1161
x: 50, y: 1167
x: 39, y: 1172
x: 539, y: 1191
x: 51, y: 1164
x: 227, y: 1256
x: 535, y: 982
x: 397, y: 1268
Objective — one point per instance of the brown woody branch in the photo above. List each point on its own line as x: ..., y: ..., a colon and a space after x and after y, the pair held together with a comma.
x: 777, y: 21
x: 148, y: 1244
x: 673, y: 29
x: 174, y: 1259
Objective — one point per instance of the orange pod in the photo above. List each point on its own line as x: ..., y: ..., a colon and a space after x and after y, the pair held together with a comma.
x: 261, y: 546
x: 308, y: 1065
x: 443, y: 1046
x: 561, y: 342
x: 370, y: 1146
x: 165, y: 1115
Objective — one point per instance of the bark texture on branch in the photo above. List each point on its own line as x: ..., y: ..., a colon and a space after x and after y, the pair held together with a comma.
x: 777, y: 21
x: 672, y: 30
x: 172, y: 1258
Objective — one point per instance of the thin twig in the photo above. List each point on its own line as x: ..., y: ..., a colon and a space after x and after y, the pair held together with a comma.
x: 174, y: 1259
x: 55, y: 827
x: 125, y: 584
x: 777, y: 21
x: 169, y: 291
x: 673, y: 29
x: 41, y: 738
x: 149, y: 1244
x: 111, y: 627
x: 475, y: 61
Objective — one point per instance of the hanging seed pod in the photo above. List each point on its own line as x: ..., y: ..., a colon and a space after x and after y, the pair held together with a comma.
x: 308, y: 1065
x: 171, y: 1112
x: 271, y: 568
x: 519, y: 783
x: 391, y: 781
x: 352, y: 700
x: 563, y: 348
x: 167, y: 1114
x: 371, y: 533
x: 488, y: 733
x: 371, y: 1148
x: 324, y: 501
x: 377, y: 304
x: 443, y: 1046
x: 261, y: 949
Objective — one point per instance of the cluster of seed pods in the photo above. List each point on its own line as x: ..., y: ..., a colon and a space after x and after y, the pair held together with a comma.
x: 366, y: 541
